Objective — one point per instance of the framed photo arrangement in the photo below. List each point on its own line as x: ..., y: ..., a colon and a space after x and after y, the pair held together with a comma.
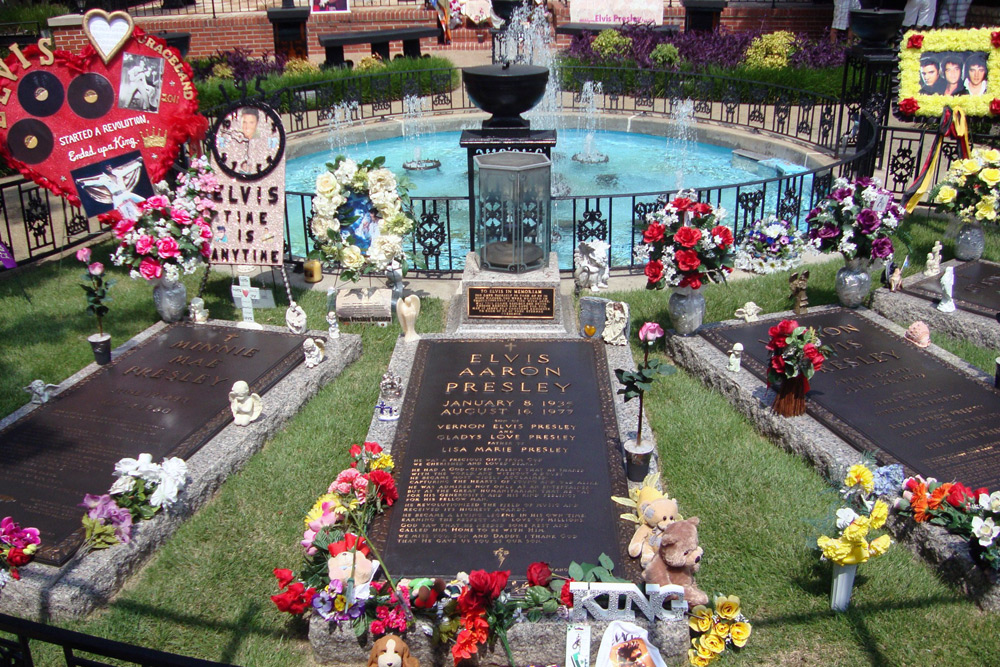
x: 950, y: 67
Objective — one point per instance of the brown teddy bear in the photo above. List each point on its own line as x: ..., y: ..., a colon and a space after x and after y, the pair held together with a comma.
x: 391, y: 651
x: 679, y: 558
x: 655, y: 514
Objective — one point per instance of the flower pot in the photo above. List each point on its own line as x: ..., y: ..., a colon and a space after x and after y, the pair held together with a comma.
x: 637, y: 458
x: 101, y: 344
x: 970, y: 242
x: 170, y: 298
x: 791, y: 398
x: 686, y: 307
x: 842, y: 586
x: 853, y: 282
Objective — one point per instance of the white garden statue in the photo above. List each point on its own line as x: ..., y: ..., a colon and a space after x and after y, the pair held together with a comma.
x: 246, y: 407
x: 749, y: 312
x: 933, y: 266
x: 947, y: 303
x: 40, y: 392
x: 295, y: 318
x: 197, y: 310
x: 315, y: 351
x: 591, y: 259
x: 334, y: 330
x: 407, y: 311
x: 735, y: 357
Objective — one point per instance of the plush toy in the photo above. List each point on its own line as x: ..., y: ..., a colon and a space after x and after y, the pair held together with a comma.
x: 340, y: 567
x: 678, y: 559
x: 391, y: 651
x: 655, y: 512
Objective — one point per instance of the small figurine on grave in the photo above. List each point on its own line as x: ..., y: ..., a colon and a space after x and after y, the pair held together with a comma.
x: 40, y: 392
x: 391, y: 651
x: 315, y: 351
x: 615, y: 323
x: 591, y: 260
x: 246, y: 407
x: 800, y: 300
x: 947, y: 303
x: 386, y: 413
x: 735, y: 357
x: 334, y: 330
x: 197, y: 310
x: 407, y: 312
x: 391, y: 386
x: 295, y: 318
x: 918, y: 334
x: 749, y: 312
x: 933, y: 266
x: 896, y: 279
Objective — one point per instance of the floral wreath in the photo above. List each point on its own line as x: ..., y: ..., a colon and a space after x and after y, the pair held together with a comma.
x: 358, y: 217
x: 917, y: 43
x: 771, y: 245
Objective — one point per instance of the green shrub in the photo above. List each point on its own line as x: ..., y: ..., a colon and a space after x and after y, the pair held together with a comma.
x: 612, y: 44
x: 300, y: 66
x: 665, y: 55
x: 15, y: 13
x: 770, y: 51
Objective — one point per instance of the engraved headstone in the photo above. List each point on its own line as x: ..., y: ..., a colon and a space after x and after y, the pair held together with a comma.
x: 882, y: 394
x: 976, y: 288
x: 167, y: 397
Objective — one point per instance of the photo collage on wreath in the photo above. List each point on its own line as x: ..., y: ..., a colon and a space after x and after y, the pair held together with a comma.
x: 953, y: 73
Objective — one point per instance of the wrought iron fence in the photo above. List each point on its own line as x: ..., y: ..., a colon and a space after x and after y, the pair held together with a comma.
x: 37, y: 224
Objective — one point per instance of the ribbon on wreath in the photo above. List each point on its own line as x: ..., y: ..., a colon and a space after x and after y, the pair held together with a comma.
x: 953, y: 124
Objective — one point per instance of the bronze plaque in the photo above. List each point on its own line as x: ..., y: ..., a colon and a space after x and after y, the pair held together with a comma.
x: 506, y: 454
x: 512, y: 303
x: 885, y: 395
x: 167, y: 397
x: 976, y: 290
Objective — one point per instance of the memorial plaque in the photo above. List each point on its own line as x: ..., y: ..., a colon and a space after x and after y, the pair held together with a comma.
x: 976, y: 290
x: 883, y: 394
x: 506, y: 454
x: 167, y: 397
x: 512, y: 303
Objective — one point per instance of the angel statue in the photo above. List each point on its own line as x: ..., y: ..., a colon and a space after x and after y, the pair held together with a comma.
x: 115, y: 187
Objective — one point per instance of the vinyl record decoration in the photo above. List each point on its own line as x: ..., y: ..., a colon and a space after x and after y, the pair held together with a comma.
x: 125, y: 93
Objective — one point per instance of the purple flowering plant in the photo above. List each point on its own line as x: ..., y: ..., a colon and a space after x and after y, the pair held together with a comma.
x: 855, y: 219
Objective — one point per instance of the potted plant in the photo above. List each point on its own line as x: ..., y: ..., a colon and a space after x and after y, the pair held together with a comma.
x: 96, y: 287
x: 796, y: 355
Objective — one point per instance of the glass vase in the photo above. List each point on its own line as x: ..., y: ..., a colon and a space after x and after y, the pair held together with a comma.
x: 853, y: 282
x: 170, y: 299
x: 687, y: 310
x: 970, y: 242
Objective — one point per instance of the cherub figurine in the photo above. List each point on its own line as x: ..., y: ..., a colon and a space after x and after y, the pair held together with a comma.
x: 295, y: 318
x: 246, y: 407
x: 896, y: 279
x: 735, y: 357
x: 197, y: 310
x: 315, y: 351
x: 933, y: 266
x: 334, y: 330
x: 749, y: 312
x: 40, y: 392
x: 800, y: 300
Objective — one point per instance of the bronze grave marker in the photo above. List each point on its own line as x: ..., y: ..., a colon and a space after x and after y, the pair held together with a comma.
x: 976, y: 290
x: 167, y: 397
x: 882, y: 394
x: 506, y: 454
x: 529, y: 303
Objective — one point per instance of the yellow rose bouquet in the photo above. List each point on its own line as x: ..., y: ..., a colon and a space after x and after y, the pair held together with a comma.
x: 714, y: 628
x: 972, y: 188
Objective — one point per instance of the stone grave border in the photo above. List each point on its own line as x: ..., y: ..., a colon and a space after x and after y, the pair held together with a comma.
x: 830, y: 454
x: 962, y: 324
x: 541, y: 642
x: 87, y: 581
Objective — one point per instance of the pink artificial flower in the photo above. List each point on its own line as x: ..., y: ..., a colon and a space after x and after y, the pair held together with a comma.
x: 344, y: 481
x: 206, y: 249
x: 650, y: 332
x: 361, y: 487
x: 144, y: 244
x: 83, y: 254
x: 96, y: 269
x: 150, y: 269
x: 206, y: 231
x: 123, y: 227
x: 167, y: 247
x: 157, y: 201
x: 180, y: 216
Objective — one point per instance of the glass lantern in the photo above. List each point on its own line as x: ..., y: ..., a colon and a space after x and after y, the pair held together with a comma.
x: 513, y: 228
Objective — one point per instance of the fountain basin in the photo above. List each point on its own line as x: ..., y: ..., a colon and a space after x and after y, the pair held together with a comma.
x: 505, y: 91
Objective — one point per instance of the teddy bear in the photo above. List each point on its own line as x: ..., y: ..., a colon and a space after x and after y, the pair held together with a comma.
x: 655, y: 512
x: 679, y: 558
x: 391, y: 651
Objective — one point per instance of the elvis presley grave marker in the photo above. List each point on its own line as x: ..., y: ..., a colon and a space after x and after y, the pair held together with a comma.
x: 506, y: 454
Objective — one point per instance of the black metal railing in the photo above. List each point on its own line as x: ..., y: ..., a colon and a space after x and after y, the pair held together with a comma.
x: 78, y: 649
x: 37, y: 223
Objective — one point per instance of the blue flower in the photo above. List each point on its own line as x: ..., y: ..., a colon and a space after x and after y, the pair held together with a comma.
x: 888, y: 480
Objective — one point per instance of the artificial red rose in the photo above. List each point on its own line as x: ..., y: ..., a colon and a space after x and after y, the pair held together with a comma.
x: 959, y: 495
x: 700, y: 208
x: 16, y: 557
x: 469, y: 602
x: 654, y: 233
x: 681, y: 203
x: 687, y: 237
x: 780, y: 332
x: 724, y: 234
x: 692, y: 280
x: 687, y: 260
x: 981, y: 491
x: 995, y: 39
x: 351, y: 542
x: 565, y: 596
x: 814, y: 356
x: 206, y: 250
x: 908, y: 106
x: 355, y: 451
x: 373, y: 448
x: 488, y: 585
x: 539, y: 574
x: 778, y: 364
x: 995, y: 106
x: 284, y: 577
x: 110, y: 218
x: 654, y: 271
x: 295, y: 600
x: 385, y: 486
x: 915, y: 42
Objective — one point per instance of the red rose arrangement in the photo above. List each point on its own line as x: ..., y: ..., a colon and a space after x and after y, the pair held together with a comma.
x: 915, y: 42
x: 795, y: 351
x: 480, y: 603
x: 995, y: 106
x: 686, y: 245
x: 909, y: 106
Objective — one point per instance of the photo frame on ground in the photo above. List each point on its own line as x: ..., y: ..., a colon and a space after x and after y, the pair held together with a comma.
x: 950, y: 67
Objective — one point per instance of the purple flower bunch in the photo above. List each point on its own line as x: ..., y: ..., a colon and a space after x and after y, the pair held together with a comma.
x: 105, y: 511
x: 331, y: 603
x: 14, y: 536
x: 855, y: 219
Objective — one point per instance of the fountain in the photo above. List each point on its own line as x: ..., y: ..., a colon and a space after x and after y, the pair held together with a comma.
x: 588, y: 100
x: 414, y: 126
x: 340, y: 117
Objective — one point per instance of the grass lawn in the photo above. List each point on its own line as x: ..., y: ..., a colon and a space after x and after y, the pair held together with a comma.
x: 205, y: 593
